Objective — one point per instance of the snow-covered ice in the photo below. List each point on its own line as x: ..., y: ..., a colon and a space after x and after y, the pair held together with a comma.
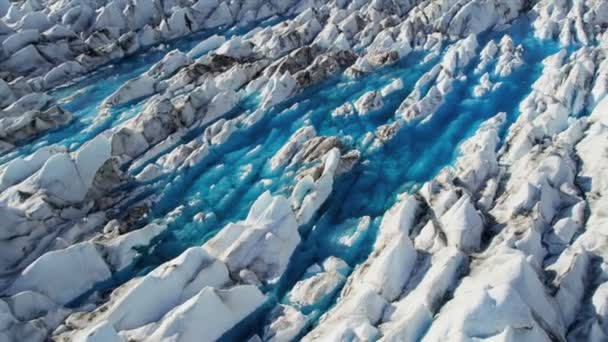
x: 202, y: 170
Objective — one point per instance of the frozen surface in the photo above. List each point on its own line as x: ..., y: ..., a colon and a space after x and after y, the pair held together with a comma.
x: 303, y: 170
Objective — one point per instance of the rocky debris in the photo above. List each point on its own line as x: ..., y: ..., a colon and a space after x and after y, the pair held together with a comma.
x: 93, y: 34
x: 29, y: 116
x: 212, y: 87
x: 306, y: 149
x: 324, y: 66
x: 323, y: 281
x: 292, y: 147
x: 369, y: 102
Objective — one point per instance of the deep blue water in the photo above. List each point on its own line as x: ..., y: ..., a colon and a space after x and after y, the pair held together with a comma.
x: 417, y: 153
x: 220, y: 185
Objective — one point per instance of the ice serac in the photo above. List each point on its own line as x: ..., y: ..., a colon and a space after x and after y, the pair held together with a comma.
x: 287, y: 323
x: 408, y: 318
x: 376, y: 282
x: 172, y: 283
x: 20, y: 168
x: 503, y: 295
x: 62, y: 188
x: 462, y: 225
x: 63, y: 275
x: 330, y: 276
x: 70, y: 179
x: 309, y: 194
x: 355, y: 316
x: 151, y: 81
x: 262, y: 243
x: 205, y: 317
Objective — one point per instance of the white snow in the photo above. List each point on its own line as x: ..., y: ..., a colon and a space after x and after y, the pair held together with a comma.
x: 262, y: 243
x: 171, y: 284
x: 285, y: 324
x: 462, y: 225
x: 330, y: 276
x: 207, y: 45
x: 205, y: 317
x: 503, y: 292
x: 20, y: 40
x: 65, y: 274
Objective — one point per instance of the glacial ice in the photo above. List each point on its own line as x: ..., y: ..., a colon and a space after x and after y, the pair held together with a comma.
x: 303, y: 170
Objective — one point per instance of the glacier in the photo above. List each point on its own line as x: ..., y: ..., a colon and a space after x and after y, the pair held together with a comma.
x: 259, y: 170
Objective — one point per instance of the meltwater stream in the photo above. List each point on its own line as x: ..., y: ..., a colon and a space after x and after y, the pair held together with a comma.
x: 225, y: 183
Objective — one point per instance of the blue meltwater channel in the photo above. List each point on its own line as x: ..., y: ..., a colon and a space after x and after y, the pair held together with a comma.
x: 226, y: 182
